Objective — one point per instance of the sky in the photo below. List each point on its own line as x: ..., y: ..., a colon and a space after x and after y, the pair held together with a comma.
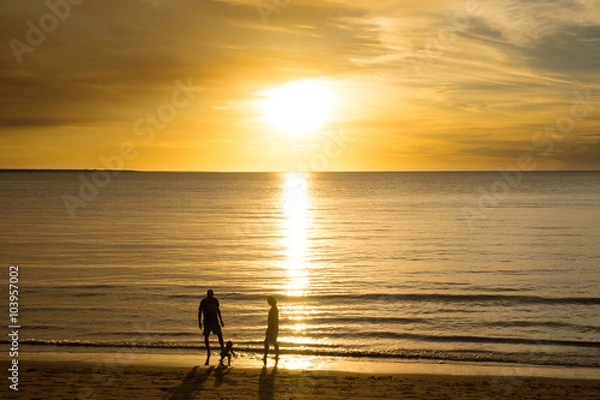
x: 294, y: 85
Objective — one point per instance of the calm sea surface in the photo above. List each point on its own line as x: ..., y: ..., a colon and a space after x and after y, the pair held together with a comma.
x: 438, y: 266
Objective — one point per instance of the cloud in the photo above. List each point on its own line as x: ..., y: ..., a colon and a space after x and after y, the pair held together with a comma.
x: 583, y: 155
x: 33, y: 122
x: 157, y: 3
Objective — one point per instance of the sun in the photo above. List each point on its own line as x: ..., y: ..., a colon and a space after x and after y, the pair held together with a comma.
x: 299, y: 107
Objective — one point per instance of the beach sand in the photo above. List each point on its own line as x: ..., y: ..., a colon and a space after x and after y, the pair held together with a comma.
x: 84, y: 378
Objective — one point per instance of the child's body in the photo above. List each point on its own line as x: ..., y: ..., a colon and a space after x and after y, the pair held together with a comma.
x: 227, y: 352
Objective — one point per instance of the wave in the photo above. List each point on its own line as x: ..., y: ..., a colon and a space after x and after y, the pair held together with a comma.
x: 547, y: 324
x: 471, y: 356
x: 494, y: 340
x: 502, y: 299
x: 437, y: 298
x: 475, y: 298
x: 327, y: 320
x: 173, y: 339
x: 403, y: 321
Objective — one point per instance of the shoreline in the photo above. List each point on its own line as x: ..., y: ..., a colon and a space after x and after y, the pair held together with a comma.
x: 110, y: 375
x: 293, y: 362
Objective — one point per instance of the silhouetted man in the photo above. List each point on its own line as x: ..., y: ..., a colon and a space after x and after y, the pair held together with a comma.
x: 210, y: 307
x: 272, y: 329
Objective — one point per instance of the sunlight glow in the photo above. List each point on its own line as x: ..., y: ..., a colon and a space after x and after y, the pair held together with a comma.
x: 298, y: 108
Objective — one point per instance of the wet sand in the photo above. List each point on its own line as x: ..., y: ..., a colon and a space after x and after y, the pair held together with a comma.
x: 69, y: 376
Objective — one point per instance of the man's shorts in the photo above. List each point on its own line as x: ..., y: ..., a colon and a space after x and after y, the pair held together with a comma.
x: 213, y: 327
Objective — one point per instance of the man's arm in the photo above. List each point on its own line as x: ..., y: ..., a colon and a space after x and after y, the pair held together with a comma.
x: 200, y: 316
x: 219, y: 315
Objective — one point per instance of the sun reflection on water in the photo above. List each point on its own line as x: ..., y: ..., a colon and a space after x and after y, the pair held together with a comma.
x: 296, y: 209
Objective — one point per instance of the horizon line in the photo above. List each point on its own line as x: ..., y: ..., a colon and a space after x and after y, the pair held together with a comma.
x: 277, y: 172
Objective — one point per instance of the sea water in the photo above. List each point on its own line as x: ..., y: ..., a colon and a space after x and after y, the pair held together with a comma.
x: 478, y: 267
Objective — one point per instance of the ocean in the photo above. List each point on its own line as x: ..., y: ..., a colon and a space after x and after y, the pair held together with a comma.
x: 483, y: 267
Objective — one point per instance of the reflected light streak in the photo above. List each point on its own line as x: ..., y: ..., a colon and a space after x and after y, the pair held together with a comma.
x: 297, y: 363
x: 299, y: 327
x: 296, y: 208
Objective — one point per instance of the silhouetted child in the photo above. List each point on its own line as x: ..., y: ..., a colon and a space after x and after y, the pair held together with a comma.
x: 227, y: 352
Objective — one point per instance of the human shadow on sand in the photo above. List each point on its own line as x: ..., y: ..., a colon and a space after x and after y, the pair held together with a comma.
x: 191, y: 385
x: 219, y: 374
x: 266, y: 383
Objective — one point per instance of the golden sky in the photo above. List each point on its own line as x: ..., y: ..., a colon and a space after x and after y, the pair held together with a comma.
x: 284, y: 85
